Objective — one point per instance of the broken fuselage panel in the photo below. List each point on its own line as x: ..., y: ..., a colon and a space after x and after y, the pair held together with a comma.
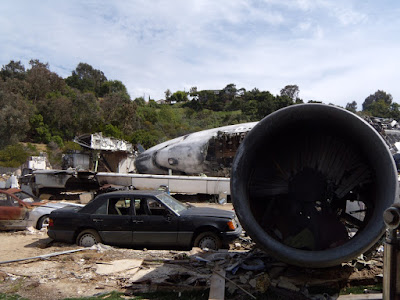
x: 208, y: 152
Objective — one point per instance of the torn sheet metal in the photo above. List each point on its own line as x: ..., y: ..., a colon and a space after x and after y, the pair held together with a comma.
x: 57, y: 181
x: 37, y: 163
x: 209, y: 151
x: 97, y: 141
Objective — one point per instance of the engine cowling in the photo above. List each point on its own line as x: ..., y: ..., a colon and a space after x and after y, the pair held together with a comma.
x: 310, y: 184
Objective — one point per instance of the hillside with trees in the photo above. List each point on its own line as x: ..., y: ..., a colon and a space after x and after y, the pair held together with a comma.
x: 38, y: 106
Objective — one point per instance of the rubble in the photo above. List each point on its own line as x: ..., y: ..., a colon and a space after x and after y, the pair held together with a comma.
x: 245, y: 273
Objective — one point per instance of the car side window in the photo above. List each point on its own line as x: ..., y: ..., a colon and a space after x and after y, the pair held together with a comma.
x: 115, y: 206
x: 141, y: 207
x: 102, y: 210
x: 6, y: 200
x: 122, y: 205
x: 149, y: 207
x: 137, y: 207
x: 156, y: 208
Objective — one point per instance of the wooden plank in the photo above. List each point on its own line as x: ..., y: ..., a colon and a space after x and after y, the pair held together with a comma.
x: 217, y: 285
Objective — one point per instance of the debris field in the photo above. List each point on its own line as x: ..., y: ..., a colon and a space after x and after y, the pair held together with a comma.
x: 35, y: 267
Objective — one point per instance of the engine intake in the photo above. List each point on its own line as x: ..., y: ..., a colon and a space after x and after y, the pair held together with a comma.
x: 310, y: 184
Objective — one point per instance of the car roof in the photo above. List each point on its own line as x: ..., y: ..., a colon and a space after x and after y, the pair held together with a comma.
x: 122, y: 193
x: 10, y: 191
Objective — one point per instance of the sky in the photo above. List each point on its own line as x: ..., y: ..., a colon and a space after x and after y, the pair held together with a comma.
x: 335, y: 51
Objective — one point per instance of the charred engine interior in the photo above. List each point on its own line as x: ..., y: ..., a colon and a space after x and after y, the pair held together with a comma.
x: 221, y: 152
x: 305, y: 189
x: 310, y: 184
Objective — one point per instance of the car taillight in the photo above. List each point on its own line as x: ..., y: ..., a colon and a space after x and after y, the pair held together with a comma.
x: 51, y: 222
x: 232, y: 225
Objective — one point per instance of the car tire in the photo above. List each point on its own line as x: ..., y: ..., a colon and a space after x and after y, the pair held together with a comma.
x: 208, y: 240
x: 43, y: 222
x: 88, y: 238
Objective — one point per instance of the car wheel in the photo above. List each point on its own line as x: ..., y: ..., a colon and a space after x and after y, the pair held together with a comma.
x: 208, y: 240
x: 88, y: 238
x: 43, y: 222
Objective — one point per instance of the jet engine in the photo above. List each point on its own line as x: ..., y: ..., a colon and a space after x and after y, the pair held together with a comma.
x: 310, y: 184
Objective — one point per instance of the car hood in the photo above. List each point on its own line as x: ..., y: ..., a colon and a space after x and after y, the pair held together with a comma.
x: 57, y: 205
x: 208, y: 212
x: 66, y: 210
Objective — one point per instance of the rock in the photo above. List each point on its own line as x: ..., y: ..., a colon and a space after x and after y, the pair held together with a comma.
x: 118, y: 266
x: 253, y: 283
x: 263, y: 282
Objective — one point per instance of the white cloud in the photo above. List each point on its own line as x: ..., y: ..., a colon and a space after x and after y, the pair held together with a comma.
x: 341, y: 51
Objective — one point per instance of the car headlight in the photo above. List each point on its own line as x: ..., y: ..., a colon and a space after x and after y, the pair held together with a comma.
x: 232, y: 224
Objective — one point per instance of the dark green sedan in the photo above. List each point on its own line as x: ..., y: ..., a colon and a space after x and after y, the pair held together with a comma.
x: 143, y: 219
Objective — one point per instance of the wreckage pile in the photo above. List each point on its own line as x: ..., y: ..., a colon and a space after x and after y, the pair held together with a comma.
x: 243, y: 272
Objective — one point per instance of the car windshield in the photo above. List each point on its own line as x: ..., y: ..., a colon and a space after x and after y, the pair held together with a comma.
x: 26, y: 197
x: 172, y: 203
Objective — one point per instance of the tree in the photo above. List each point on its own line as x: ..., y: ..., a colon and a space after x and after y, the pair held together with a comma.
x: 193, y: 93
x: 14, y: 118
x: 194, y: 105
x: 352, y: 106
x: 111, y: 130
x: 86, y: 113
x: 291, y: 91
x: 140, y: 101
x: 42, y: 81
x: 395, y: 111
x: 14, y: 69
x: 227, y: 94
x: 376, y: 97
x: 114, y: 86
x: 39, y: 132
x: 15, y: 86
x: 147, y: 138
x: 251, y: 109
x: 266, y: 104
x: 86, y: 79
x: 179, y: 96
x: 15, y: 155
x: 167, y: 94
x: 282, y: 101
x: 379, y: 108
x: 229, y: 90
x: 57, y: 111
x: 120, y: 112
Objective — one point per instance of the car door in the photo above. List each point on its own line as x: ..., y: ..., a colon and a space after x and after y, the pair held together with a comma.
x: 113, y: 220
x: 154, y: 223
x: 13, y: 212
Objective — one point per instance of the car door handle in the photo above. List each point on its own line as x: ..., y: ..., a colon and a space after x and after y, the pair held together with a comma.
x: 137, y: 221
x: 97, y: 220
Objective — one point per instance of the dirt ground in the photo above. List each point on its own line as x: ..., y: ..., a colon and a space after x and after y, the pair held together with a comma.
x: 67, y: 275
x: 105, y: 269
x: 71, y: 274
